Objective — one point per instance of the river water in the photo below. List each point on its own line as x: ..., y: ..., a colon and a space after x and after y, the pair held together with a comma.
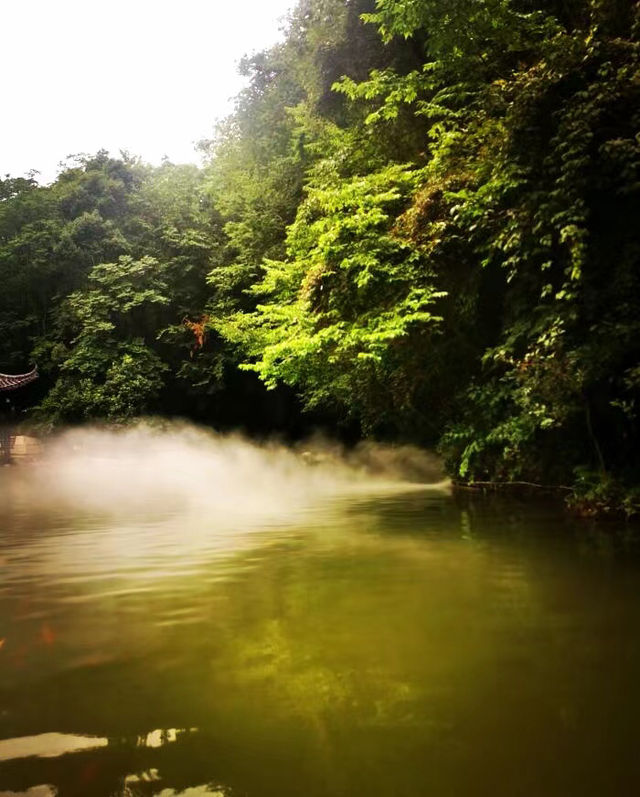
x: 399, y: 642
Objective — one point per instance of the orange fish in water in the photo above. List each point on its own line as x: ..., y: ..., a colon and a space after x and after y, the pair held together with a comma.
x: 47, y: 635
x: 2, y: 641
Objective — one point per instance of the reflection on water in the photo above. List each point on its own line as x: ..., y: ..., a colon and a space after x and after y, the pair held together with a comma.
x: 134, y: 785
x: 50, y: 745
x: 43, y: 790
x: 403, y: 644
x: 47, y: 745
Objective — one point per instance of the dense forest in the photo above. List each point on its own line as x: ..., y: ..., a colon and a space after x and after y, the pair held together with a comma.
x: 420, y: 223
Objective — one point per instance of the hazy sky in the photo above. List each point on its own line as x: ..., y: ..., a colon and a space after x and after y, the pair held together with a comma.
x: 143, y: 75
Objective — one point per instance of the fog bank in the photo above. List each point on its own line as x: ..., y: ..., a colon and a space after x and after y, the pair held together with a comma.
x: 192, y: 470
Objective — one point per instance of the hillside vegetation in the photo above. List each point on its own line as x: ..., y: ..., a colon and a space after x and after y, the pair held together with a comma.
x: 419, y: 224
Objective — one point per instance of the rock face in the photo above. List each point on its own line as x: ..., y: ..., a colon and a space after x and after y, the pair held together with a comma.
x: 13, y: 381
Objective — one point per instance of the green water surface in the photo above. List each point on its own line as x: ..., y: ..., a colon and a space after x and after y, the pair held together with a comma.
x: 406, y: 645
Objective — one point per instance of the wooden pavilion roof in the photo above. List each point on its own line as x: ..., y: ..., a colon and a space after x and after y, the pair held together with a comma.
x: 13, y: 381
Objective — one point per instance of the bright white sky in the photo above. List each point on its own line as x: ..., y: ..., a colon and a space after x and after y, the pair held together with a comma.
x: 148, y: 76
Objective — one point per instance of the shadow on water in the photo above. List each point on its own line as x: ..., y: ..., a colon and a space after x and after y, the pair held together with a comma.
x: 374, y: 641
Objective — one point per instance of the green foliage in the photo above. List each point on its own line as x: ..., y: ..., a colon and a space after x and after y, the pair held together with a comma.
x: 556, y: 204
x: 421, y: 217
x: 100, y: 270
x: 509, y: 245
x: 51, y: 237
x: 352, y: 299
x: 600, y: 495
x: 108, y: 368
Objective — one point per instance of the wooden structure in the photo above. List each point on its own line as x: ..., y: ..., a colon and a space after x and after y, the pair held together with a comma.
x: 12, y: 382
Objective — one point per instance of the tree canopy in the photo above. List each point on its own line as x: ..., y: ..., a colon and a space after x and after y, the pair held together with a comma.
x: 419, y: 223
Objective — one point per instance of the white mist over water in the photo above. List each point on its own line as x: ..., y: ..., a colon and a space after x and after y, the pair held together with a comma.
x: 111, y: 512
x: 185, y: 469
